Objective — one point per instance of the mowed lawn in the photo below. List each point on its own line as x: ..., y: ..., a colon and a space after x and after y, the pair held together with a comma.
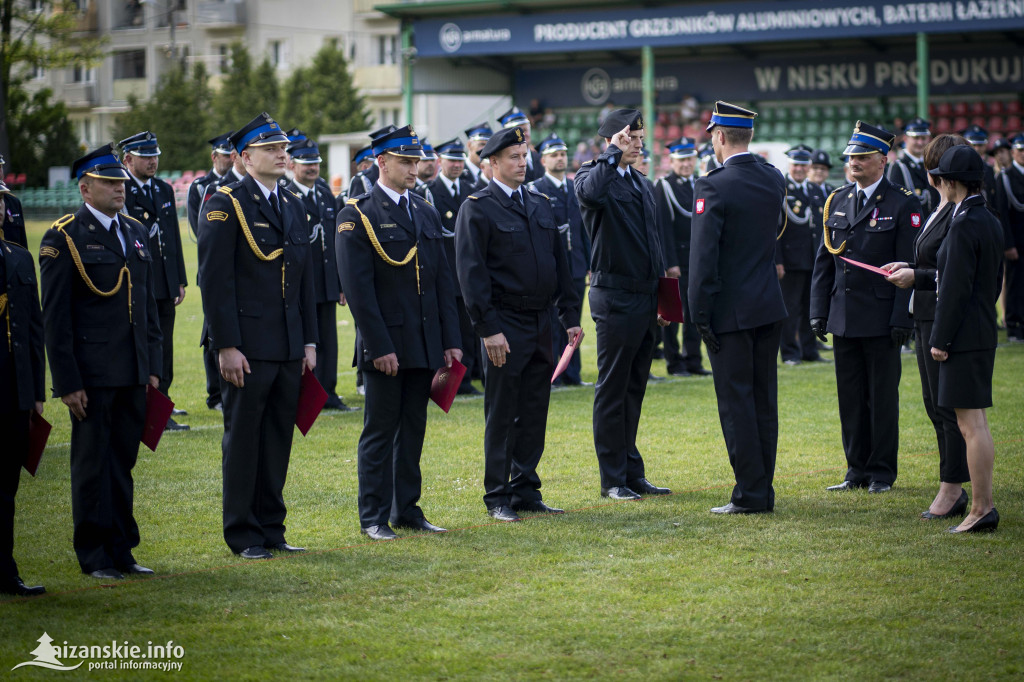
x: 832, y: 586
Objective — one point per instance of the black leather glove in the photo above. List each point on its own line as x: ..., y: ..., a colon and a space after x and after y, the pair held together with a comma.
x: 818, y: 325
x: 710, y: 340
x: 900, y: 335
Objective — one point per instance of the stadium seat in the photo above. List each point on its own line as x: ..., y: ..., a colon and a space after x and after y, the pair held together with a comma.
x: 1013, y: 107
x: 943, y: 109
x: 976, y: 108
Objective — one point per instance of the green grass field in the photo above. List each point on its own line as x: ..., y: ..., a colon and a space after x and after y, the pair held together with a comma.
x: 832, y: 586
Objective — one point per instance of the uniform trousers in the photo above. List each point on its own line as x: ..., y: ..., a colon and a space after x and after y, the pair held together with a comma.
x: 746, y: 386
x: 868, y: 385
x: 394, y: 423
x: 104, y: 449
x: 470, y: 342
x: 165, y: 309
x: 14, y: 427
x: 259, y: 421
x: 560, y: 339
x: 689, y: 359
x: 797, y: 342
x: 952, y: 448
x: 516, y: 397
x: 326, y: 371
x: 626, y: 331
x: 211, y: 364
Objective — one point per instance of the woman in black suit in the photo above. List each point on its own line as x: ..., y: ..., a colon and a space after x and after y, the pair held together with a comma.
x: 963, y: 336
x: 951, y: 500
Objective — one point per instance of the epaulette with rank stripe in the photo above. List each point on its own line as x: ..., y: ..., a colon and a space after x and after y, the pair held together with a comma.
x: 225, y: 189
x: 60, y: 223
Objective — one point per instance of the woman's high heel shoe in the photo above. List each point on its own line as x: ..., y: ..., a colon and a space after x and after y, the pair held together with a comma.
x: 986, y: 524
x: 959, y: 508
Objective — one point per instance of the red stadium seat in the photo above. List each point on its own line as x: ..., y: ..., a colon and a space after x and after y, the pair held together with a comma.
x: 960, y: 122
x: 995, y: 107
x: 977, y: 108
x: 943, y: 125
x: 943, y: 109
x: 20, y: 180
x: 1012, y: 124
x: 674, y: 132
x: 9, y: 179
x: 995, y: 124
x: 1013, y: 107
x: 960, y: 109
x: 659, y: 132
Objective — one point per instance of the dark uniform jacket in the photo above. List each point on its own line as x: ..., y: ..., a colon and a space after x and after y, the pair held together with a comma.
x: 448, y: 210
x: 925, y: 263
x: 511, y: 256
x: 390, y: 316
x: 858, y: 303
x: 363, y: 181
x: 14, y: 222
x: 535, y: 169
x: 570, y: 223
x: 1010, y: 207
x: 160, y: 219
x: 733, y: 282
x: 673, y: 196
x: 198, y: 192
x: 85, y: 331
x: 321, y: 213
x: 798, y: 243
x: 620, y: 220
x: 21, y: 354
x: 911, y: 174
x: 475, y: 183
x: 250, y: 303
x: 969, y: 280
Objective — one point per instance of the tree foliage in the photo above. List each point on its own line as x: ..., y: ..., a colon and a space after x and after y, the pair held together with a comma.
x: 43, y: 133
x: 320, y: 98
x: 177, y: 114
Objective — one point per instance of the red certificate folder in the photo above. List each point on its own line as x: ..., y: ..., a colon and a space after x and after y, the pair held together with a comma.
x: 38, y: 433
x: 158, y: 410
x: 670, y: 305
x: 563, y: 361
x: 446, y: 384
x: 312, y: 398
x: 869, y: 268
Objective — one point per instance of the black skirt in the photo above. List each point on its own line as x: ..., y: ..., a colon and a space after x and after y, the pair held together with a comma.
x: 965, y: 379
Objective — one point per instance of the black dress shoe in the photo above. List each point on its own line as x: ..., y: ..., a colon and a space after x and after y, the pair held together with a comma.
x: 339, y: 405
x: 255, y: 552
x: 175, y: 426
x: 537, y: 507
x: 419, y: 524
x: 651, y: 379
x: 879, y: 487
x: 680, y: 373
x: 179, y: 413
x: 986, y: 524
x: 136, y: 569
x: 381, y: 532
x: 700, y: 372
x: 503, y: 513
x: 19, y: 589
x: 107, y: 574
x: 284, y: 547
x: 959, y: 508
x: 642, y: 486
x: 847, y: 485
x: 735, y: 509
x: 619, y: 492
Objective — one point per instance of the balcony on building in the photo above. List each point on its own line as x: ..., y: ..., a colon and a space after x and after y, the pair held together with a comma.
x: 220, y: 14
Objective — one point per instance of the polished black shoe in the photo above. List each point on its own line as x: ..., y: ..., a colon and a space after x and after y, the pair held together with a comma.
x: 818, y: 358
x: 219, y: 406
x: 824, y: 346
x: 284, y: 547
x: 419, y: 524
x: 619, y: 492
x: 136, y: 569
x: 700, y: 372
x: 537, y: 507
x: 847, y: 485
x: 19, y: 589
x: 736, y: 509
x: 986, y: 524
x: 468, y: 389
x: 959, y: 508
x: 503, y: 513
x: 175, y: 426
x: 179, y: 413
x: 255, y: 552
x: 642, y: 486
x: 107, y: 574
x: 336, y: 403
x: 651, y: 379
x: 381, y: 532
x: 879, y: 487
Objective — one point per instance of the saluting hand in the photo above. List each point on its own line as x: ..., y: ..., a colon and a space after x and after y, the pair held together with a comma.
x: 497, y: 348
x: 621, y: 139
x: 233, y: 366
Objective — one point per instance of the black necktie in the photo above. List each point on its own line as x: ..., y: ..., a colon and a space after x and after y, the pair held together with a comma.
x: 455, y: 189
x: 859, y: 204
x: 120, y: 233
x: 148, y: 191
x: 517, y: 198
x: 403, y: 204
x: 275, y: 204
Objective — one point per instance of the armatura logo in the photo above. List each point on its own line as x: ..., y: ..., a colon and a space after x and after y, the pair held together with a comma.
x: 114, y: 656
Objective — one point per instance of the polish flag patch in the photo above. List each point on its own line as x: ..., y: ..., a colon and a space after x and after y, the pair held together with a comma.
x: 915, y: 219
x: 700, y: 207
